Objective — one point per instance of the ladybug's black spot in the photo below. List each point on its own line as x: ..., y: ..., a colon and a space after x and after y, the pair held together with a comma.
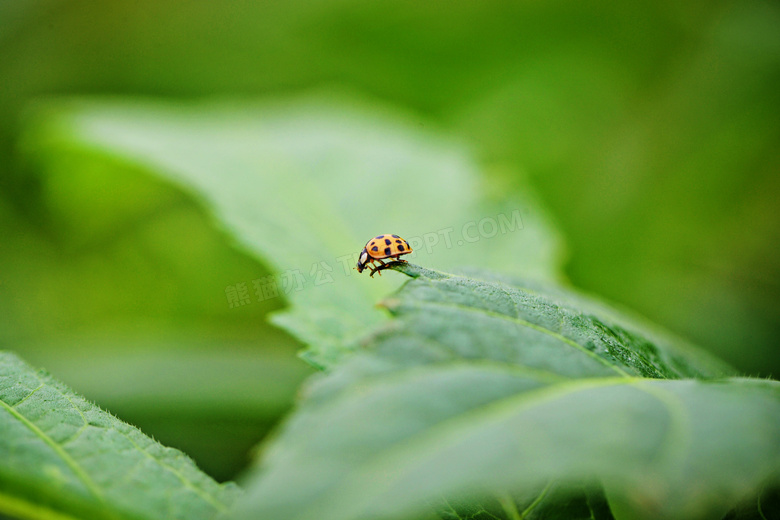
x: 374, y: 248
x: 387, y: 251
x: 395, y: 236
x: 400, y: 248
x: 381, y: 236
x: 387, y: 241
x: 399, y: 242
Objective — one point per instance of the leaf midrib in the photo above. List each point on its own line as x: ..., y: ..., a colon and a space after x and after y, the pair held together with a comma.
x: 80, y: 472
x: 59, y: 450
x: 416, y: 372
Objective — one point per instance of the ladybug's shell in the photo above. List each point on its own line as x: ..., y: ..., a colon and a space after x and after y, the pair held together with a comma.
x: 384, y: 246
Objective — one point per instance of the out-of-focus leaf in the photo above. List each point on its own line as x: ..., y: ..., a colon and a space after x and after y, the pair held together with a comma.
x: 304, y: 185
x: 62, y: 457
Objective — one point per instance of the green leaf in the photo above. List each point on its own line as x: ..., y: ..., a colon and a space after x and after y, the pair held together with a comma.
x: 526, y: 322
x: 483, y: 386
x: 63, y: 457
x: 304, y: 185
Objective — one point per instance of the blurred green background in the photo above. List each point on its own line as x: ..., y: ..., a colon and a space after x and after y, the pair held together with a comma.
x: 650, y: 129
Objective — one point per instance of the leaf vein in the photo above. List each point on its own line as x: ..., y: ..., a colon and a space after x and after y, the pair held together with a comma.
x: 528, y: 324
x: 536, y: 501
x: 29, y: 395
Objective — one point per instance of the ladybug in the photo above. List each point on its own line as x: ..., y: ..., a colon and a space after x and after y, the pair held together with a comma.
x: 379, y: 247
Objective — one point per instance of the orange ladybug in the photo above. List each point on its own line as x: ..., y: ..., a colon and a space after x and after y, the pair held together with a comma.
x: 379, y: 247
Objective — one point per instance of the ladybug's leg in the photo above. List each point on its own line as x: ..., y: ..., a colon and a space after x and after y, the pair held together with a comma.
x: 379, y: 268
x: 373, y: 269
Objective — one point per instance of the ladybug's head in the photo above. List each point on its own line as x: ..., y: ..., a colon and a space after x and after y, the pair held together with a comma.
x: 362, y: 261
